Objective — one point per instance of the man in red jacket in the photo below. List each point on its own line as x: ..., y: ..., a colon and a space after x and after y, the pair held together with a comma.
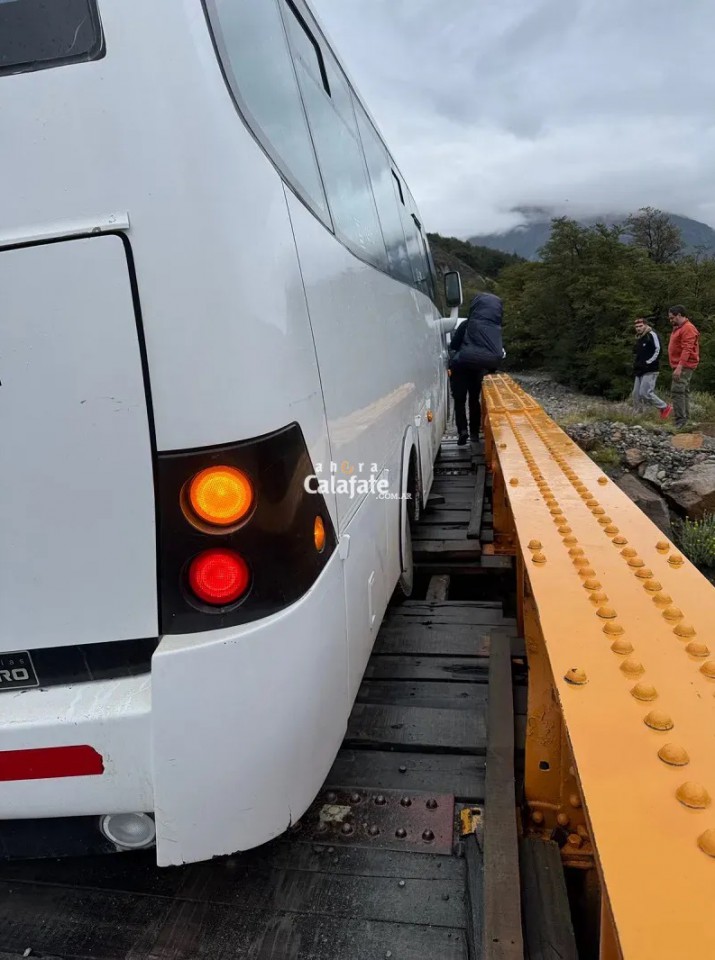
x: 684, y: 356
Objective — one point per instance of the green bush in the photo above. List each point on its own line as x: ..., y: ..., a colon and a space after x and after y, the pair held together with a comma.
x: 696, y: 538
x: 703, y: 406
x: 572, y: 312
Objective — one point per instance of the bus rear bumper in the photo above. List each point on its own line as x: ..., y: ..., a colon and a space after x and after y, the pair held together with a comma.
x: 225, y: 743
x: 77, y: 750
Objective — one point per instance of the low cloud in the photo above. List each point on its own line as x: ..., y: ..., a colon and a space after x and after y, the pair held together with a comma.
x: 581, y: 106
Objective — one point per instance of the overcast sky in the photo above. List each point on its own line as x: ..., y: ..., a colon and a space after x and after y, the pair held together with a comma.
x: 587, y: 106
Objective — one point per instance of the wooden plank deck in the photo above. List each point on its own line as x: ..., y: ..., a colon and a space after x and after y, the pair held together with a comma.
x: 456, y: 521
x: 502, y: 930
x: 418, y: 730
x: 548, y: 929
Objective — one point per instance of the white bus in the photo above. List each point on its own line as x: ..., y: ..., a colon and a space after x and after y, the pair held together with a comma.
x: 222, y: 391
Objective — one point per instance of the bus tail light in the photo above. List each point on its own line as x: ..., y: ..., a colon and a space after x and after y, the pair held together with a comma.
x: 242, y: 531
x: 219, y: 577
x: 221, y: 496
x: 319, y: 534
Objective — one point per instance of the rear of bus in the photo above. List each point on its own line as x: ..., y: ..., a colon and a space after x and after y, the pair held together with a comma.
x: 173, y: 663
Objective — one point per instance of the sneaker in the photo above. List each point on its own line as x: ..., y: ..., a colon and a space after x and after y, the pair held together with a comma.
x: 666, y: 412
x: 462, y: 440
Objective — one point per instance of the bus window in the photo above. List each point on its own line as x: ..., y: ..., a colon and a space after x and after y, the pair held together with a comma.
x: 378, y: 165
x: 415, y: 249
x: 426, y: 262
x: 35, y: 34
x: 328, y: 103
x: 432, y: 268
x: 252, y: 46
x: 306, y: 48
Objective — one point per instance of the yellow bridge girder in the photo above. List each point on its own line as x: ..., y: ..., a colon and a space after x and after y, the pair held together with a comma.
x: 620, y: 637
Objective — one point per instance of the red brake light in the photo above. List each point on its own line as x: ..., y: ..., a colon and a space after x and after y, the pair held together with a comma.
x: 219, y: 577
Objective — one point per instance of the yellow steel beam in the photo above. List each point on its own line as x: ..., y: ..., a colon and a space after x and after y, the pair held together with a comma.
x: 628, y: 632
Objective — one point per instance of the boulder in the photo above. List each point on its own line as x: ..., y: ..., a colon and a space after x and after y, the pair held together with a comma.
x: 650, y: 472
x: 695, y: 491
x: 688, y: 441
x: 633, y: 457
x: 648, y: 500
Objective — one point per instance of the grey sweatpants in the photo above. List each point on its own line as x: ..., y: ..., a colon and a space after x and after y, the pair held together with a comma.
x: 644, y: 392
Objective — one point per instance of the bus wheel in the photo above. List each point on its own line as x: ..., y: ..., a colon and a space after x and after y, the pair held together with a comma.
x: 406, y: 583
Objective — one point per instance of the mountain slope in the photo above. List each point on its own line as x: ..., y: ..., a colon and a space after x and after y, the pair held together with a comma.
x: 526, y: 240
x: 479, y: 267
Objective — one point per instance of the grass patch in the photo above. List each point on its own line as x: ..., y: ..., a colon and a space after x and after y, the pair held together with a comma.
x: 571, y: 419
x: 605, y: 456
x: 696, y: 538
x: 702, y: 407
x: 617, y: 413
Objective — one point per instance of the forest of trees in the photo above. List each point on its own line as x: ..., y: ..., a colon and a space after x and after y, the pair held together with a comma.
x: 482, y: 260
x: 572, y: 312
x: 479, y: 267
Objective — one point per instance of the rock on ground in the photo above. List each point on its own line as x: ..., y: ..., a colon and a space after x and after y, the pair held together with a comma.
x: 661, y: 458
x: 633, y: 457
x: 653, y: 506
x: 688, y: 441
x: 695, y: 491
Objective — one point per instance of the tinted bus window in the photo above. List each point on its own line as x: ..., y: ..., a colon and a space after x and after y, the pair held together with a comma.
x: 415, y: 248
x: 328, y: 103
x: 378, y: 165
x: 35, y: 34
x: 252, y: 46
x: 426, y: 263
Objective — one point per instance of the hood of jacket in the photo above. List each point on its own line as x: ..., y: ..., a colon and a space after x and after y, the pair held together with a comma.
x: 486, y: 308
x: 482, y: 341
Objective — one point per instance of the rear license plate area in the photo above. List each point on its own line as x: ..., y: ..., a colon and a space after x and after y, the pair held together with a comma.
x: 17, y: 672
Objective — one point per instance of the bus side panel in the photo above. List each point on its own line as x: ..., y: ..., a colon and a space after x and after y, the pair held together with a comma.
x: 367, y: 584
x: 379, y: 370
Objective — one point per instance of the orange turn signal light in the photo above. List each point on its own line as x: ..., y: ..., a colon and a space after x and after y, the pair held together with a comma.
x: 319, y: 534
x: 221, y: 496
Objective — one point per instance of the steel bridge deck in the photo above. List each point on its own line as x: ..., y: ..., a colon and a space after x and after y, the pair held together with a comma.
x: 378, y: 867
x: 619, y: 633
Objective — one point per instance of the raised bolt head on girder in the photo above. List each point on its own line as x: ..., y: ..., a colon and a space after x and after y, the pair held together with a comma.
x: 576, y: 676
x: 693, y: 795
x: 674, y: 755
x: 658, y: 720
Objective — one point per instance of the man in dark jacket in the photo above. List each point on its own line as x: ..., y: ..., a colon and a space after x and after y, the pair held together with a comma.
x: 645, y: 369
x: 477, y: 350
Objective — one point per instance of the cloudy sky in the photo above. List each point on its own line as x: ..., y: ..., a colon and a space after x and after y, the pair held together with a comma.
x: 583, y: 106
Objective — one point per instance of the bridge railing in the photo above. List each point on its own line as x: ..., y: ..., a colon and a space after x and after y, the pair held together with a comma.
x: 620, y: 637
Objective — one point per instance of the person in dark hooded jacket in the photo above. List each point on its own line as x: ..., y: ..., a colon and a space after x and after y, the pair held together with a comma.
x: 477, y: 350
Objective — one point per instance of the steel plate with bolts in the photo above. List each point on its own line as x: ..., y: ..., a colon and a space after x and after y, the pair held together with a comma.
x: 388, y: 819
x: 453, y: 471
